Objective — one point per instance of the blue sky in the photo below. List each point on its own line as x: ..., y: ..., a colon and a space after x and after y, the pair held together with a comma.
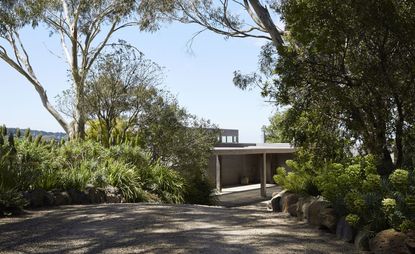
x: 201, y: 80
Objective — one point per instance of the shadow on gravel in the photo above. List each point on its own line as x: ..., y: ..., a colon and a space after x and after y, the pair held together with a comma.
x: 149, y: 228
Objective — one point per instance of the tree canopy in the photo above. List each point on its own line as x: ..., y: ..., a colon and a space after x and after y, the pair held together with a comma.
x: 84, y: 28
x: 347, y: 67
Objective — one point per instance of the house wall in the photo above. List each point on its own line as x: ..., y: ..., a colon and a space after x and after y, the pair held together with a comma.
x: 234, y: 167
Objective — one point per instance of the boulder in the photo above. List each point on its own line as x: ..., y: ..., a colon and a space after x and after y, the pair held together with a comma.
x: 361, y: 241
x: 328, y: 219
x: 315, y: 210
x: 113, y: 195
x: 389, y: 241
x: 303, y: 205
x: 112, y: 190
x: 288, y: 199
x: 344, y: 231
x: 292, y: 210
x: 49, y: 199
x: 95, y: 195
x: 62, y: 198
x: 78, y: 197
x: 410, y: 241
x: 112, y: 198
x: 275, y: 201
x: 39, y: 198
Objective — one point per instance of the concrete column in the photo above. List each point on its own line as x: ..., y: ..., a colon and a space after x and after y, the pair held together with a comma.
x: 218, y: 169
x: 264, y: 176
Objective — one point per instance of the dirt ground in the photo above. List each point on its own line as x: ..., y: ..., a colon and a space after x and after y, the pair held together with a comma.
x: 154, y: 228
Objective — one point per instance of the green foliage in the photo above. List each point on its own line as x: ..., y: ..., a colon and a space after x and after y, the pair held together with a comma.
x: 274, y: 132
x: 399, y: 179
x: 300, y: 180
x: 26, y: 165
x: 356, y: 190
x: 407, y: 225
x: 166, y: 183
x: 199, y: 191
x: 11, y: 201
x: 353, y: 220
x: 125, y: 177
x: 327, y: 84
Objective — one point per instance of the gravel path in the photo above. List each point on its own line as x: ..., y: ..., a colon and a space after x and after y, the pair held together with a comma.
x: 152, y: 228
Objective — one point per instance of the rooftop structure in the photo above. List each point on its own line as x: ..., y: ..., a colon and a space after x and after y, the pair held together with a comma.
x: 234, y: 163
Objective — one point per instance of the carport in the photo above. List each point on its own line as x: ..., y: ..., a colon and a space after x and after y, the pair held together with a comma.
x: 263, y: 154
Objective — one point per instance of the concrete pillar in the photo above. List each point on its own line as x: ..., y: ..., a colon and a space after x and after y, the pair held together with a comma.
x: 218, y: 169
x: 264, y: 176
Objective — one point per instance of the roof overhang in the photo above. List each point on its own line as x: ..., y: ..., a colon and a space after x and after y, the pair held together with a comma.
x: 258, y: 149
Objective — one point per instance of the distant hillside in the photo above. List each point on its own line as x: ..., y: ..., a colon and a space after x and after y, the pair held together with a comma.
x: 45, y: 134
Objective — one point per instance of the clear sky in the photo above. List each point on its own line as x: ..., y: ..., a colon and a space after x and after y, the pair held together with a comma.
x: 201, y: 80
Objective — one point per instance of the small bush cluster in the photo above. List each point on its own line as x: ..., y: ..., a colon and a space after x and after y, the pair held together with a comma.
x: 28, y: 163
x: 357, y: 191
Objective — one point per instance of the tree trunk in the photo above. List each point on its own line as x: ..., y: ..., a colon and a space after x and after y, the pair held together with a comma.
x: 79, y: 131
x: 399, y: 134
x: 51, y: 109
x: 382, y: 154
x: 30, y: 76
x: 266, y: 20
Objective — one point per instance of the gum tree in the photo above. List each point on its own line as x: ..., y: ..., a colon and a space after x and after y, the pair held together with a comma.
x: 84, y: 28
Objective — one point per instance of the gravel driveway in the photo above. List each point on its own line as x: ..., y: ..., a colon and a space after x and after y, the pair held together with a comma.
x: 153, y: 228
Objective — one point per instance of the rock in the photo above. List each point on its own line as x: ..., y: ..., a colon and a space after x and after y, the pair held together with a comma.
x: 344, y: 231
x: 288, y: 199
x: 410, y: 241
x: 113, y: 195
x: 95, y: 195
x: 62, y: 198
x: 292, y: 209
x: 328, y: 219
x: 112, y: 198
x: 39, y: 198
x: 112, y: 190
x: 361, y: 241
x: 275, y: 201
x: 78, y: 197
x: 315, y: 210
x: 49, y: 199
x: 303, y: 205
x: 389, y: 241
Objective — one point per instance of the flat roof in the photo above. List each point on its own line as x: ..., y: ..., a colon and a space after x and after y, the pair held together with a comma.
x: 257, y: 149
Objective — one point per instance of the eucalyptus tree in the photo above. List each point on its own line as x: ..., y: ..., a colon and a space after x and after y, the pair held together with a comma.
x: 84, y: 28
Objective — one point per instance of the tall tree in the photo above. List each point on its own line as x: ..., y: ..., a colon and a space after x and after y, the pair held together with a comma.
x: 353, y: 63
x: 347, y: 64
x: 85, y: 29
x: 119, y: 86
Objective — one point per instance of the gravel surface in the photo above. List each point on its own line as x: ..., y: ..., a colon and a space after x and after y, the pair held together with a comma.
x: 153, y: 228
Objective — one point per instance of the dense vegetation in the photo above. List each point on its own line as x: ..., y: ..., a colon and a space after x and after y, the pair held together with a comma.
x: 345, y: 79
x: 29, y: 163
x: 357, y: 191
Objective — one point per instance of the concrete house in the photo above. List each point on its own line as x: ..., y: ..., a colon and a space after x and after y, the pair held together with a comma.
x: 234, y: 163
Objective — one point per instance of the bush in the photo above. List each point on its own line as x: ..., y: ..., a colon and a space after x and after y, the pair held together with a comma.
x: 27, y: 164
x: 11, y: 201
x: 300, y: 180
x: 125, y: 177
x: 164, y: 182
x: 356, y: 189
